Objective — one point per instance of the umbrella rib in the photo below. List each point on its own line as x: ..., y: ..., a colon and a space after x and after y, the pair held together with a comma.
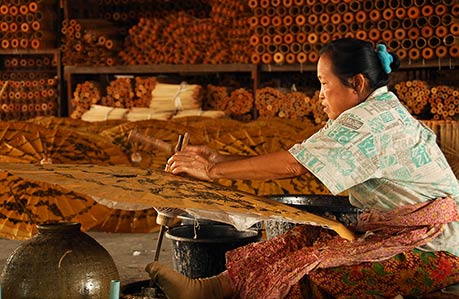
x: 24, y: 208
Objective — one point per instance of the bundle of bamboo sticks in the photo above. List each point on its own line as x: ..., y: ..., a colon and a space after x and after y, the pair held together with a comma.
x: 215, y: 97
x: 176, y: 97
x: 91, y: 42
x: 32, y: 88
x: 240, y: 102
x: 199, y: 112
x: 237, y: 103
x: 143, y: 90
x: 85, y: 95
x: 143, y: 113
x: 268, y: 101
x: 183, y: 38
x: 447, y: 132
x: 103, y: 113
x: 414, y: 95
x: 444, y: 102
x: 296, y: 105
x: 120, y: 93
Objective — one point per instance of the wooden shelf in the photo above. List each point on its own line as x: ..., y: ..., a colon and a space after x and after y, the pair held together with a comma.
x: 449, y: 63
x: 287, y: 68
x: 29, y: 52
x: 161, y: 68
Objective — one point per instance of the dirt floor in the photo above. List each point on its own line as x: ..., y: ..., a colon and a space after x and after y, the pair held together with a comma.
x: 131, y: 252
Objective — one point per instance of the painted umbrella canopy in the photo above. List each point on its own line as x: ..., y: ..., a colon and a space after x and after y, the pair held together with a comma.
x: 25, y: 142
x: 211, y: 128
x: 133, y: 188
x: 24, y: 203
x: 52, y: 122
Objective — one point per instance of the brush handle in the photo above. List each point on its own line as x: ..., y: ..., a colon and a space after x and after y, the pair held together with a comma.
x: 136, y: 136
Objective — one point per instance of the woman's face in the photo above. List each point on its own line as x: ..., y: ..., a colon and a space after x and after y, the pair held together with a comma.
x: 334, y: 95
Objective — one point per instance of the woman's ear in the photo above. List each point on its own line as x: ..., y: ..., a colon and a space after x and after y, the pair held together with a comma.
x: 359, y: 83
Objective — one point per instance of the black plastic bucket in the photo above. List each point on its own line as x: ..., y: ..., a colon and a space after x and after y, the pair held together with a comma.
x: 200, y: 251
x: 328, y: 206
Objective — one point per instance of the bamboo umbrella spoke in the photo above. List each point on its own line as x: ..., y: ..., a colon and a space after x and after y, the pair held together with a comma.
x: 15, y: 153
x: 124, y: 221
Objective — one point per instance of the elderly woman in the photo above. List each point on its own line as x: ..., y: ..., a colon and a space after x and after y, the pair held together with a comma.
x: 390, y: 165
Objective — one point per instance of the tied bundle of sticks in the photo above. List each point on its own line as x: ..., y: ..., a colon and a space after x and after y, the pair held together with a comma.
x: 414, y: 95
x: 143, y: 89
x: 85, y: 95
x: 272, y: 102
x: 268, y: 101
x: 103, y: 113
x: 183, y: 38
x: 215, y: 97
x: 237, y: 104
x: 240, y: 102
x: 296, y: 105
x: 91, y: 42
x: 176, y: 97
x: 444, y: 102
x: 120, y: 94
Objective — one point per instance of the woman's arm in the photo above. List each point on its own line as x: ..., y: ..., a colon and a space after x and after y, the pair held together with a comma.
x: 276, y: 165
x: 204, y: 166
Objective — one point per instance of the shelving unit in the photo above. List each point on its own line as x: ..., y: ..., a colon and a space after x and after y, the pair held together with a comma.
x: 53, y: 70
x: 30, y: 59
x: 71, y: 71
x: 266, y: 34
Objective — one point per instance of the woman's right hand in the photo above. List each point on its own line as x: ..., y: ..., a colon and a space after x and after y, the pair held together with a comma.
x: 195, y: 161
x: 199, y: 162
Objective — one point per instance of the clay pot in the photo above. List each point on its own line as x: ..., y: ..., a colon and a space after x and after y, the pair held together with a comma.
x: 59, y: 262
